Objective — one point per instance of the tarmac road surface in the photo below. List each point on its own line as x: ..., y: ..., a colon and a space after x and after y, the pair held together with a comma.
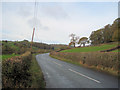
x: 60, y: 74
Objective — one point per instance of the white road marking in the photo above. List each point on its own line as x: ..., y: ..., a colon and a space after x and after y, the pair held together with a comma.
x: 56, y: 63
x: 85, y: 76
x: 48, y: 75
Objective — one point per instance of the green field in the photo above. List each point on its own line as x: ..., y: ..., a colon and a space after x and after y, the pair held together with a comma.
x: 117, y: 50
x: 7, y: 56
x: 92, y: 48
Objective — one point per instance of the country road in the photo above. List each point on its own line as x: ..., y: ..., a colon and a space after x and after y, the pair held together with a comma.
x: 59, y: 74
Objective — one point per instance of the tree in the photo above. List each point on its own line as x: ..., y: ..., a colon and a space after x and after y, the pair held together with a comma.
x: 73, y: 39
x: 97, y: 37
x: 116, y: 30
x: 116, y: 35
x: 107, y: 33
x: 110, y: 33
x: 83, y: 41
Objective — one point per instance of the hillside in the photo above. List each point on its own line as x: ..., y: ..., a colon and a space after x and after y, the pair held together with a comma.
x: 60, y: 46
x: 100, y: 47
x: 19, y: 47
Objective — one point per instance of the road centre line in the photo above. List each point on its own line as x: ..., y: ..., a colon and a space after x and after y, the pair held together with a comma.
x: 85, y: 76
x: 56, y: 63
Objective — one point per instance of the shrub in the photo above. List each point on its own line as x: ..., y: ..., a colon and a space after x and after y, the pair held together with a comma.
x: 6, y: 49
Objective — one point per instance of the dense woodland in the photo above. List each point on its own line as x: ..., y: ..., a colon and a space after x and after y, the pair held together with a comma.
x: 110, y: 33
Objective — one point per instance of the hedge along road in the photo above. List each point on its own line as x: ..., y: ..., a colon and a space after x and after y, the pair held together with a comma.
x: 59, y: 74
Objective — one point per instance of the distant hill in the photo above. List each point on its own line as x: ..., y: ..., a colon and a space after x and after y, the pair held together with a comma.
x: 60, y: 46
x: 19, y: 47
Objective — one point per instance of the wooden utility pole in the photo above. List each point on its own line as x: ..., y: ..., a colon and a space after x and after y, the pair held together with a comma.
x: 35, y: 17
x: 32, y: 38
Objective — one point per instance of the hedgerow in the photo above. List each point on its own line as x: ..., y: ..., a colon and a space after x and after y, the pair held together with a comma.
x: 15, y: 71
x: 106, y: 61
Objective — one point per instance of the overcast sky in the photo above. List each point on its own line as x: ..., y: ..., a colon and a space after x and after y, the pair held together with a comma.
x: 55, y: 20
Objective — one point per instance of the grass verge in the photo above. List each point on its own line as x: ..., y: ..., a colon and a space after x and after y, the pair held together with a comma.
x: 37, y: 75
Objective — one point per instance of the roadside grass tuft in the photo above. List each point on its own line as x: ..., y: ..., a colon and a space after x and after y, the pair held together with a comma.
x: 37, y: 75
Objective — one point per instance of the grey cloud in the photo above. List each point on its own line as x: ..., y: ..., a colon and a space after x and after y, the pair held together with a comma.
x: 45, y: 28
x: 36, y: 23
x: 25, y: 11
x: 119, y: 9
x: 53, y: 10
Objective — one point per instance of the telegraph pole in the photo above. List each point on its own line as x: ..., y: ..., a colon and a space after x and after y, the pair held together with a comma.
x: 35, y: 17
x: 32, y: 38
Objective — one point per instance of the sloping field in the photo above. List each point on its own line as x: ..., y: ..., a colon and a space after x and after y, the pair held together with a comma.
x: 117, y: 50
x: 92, y: 48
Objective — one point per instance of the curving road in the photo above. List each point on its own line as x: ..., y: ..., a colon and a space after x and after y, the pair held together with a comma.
x: 59, y: 74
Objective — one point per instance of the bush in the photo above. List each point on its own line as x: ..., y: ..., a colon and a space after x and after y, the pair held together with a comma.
x: 6, y: 49
x: 15, y: 71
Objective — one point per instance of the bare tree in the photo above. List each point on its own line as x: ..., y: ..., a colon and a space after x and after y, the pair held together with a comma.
x: 73, y: 39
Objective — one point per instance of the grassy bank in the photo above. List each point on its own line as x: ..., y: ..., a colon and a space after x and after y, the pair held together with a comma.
x: 107, y: 62
x: 37, y: 75
x: 92, y: 48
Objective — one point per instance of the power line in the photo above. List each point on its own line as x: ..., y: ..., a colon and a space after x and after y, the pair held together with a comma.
x: 35, y: 18
x: 35, y: 22
x: 35, y: 14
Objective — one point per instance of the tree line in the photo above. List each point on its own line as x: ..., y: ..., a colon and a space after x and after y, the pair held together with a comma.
x: 110, y: 33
